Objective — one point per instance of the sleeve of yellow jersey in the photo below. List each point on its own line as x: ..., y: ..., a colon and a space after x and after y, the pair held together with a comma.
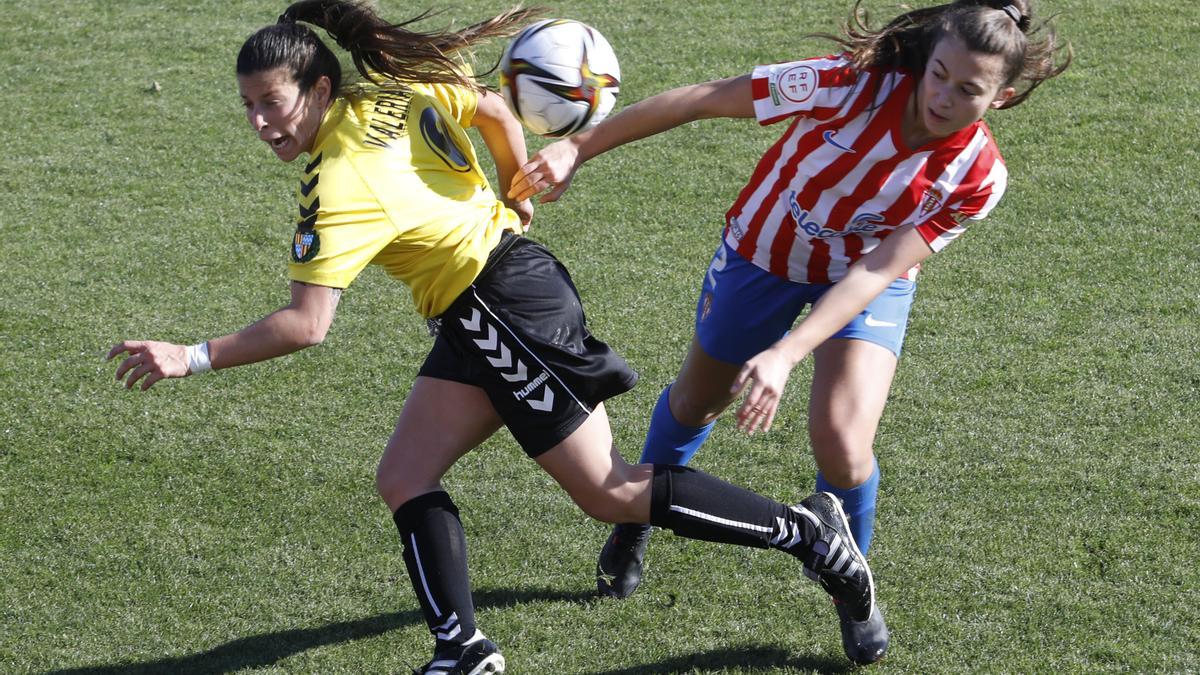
x: 335, y: 239
x: 460, y: 101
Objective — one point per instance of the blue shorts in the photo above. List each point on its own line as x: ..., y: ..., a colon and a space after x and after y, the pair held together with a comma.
x: 743, y: 309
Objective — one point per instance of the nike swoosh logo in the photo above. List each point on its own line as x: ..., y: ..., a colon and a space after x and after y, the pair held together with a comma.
x: 828, y: 136
x: 876, y: 323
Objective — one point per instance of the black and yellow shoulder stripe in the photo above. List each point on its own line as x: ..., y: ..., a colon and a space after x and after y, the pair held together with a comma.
x: 306, y: 242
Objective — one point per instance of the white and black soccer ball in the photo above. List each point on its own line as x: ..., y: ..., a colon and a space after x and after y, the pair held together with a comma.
x: 559, y: 77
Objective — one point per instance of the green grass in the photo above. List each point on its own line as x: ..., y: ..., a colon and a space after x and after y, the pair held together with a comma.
x: 1041, y: 483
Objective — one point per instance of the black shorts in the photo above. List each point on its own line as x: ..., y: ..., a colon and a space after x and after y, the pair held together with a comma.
x: 519, y: 333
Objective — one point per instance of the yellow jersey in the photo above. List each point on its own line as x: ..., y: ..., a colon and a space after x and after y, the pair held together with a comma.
x: 393, y: 180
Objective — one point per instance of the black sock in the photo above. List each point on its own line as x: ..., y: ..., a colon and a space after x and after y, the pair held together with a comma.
x: 435, y: 553
x: 695, y: 505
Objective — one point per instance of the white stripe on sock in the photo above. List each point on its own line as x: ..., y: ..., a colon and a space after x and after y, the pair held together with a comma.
x: 421, y: 571
x: 452, y: 619
x: 720, y: 521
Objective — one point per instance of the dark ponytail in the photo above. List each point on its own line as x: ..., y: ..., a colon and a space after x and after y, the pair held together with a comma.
x: 380, y: 50
x: 1002, y: 27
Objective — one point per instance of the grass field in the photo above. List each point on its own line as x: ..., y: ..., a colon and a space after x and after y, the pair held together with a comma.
x: 1041, y: 493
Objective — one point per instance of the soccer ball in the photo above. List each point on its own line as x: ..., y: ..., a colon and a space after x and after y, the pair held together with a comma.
x: 559, y: 77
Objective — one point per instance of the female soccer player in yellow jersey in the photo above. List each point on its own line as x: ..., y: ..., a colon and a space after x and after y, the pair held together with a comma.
x: 884, y: 160
x: 390, y: 178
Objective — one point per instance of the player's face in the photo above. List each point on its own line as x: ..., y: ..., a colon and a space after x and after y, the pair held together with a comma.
x: 958, y: 86
x: 283, y: 116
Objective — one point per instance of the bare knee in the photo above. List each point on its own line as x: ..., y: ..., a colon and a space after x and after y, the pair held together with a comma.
x: 696, y: 408
x: 843, y: 459
x: 618, y: 499
x: 396, y: 486
x: 605, y: 504
x: 602, y: 508
x: 390, y: 487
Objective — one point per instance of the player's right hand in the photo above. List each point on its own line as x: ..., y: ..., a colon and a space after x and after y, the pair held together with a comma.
x: 151, y: 360
x: 523, y: 209
x: 552, y: 168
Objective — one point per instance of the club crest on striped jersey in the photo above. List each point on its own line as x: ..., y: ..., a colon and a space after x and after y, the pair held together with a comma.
x: 797, y: 84
x: 932, y: 201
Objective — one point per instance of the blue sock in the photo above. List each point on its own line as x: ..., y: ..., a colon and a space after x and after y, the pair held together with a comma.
x: 859, y: 504
x: 668, y: 441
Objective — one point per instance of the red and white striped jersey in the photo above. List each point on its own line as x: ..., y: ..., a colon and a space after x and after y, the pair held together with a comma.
x: 841, y: 178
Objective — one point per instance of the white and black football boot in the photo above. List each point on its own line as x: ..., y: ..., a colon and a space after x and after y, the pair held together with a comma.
x: 480, y: 657
x: 833, y: 560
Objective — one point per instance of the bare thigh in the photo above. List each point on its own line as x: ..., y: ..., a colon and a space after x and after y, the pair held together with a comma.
x: 595, y: 475
x: 851, y: 380
x: 441, y: 422
x: 700, y: 392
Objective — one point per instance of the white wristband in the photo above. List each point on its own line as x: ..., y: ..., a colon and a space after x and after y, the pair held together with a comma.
x: 198, y: 361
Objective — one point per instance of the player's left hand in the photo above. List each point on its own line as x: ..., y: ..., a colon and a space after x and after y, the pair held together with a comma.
x: 766, y: 374
x: 150, y: 360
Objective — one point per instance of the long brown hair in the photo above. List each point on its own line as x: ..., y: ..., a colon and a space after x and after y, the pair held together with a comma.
x: 379, y: 49
x: 1031, y: 53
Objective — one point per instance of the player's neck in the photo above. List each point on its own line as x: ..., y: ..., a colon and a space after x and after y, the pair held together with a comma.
x: 912, y: 130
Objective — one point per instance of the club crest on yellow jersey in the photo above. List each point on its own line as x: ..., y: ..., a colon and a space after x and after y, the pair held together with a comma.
x: 306, y: 243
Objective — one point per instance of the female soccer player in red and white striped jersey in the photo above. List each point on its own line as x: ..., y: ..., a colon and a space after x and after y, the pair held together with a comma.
x: 884, y: 161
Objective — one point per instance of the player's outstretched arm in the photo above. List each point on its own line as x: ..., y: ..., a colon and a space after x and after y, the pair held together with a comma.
x: 765, y: 375
x: 302, y: 323
x: 554, y: 166
x: 502, y: 134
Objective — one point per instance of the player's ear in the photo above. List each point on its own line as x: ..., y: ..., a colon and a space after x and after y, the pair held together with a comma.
x: 323, y: 89
x: 1002, y: 96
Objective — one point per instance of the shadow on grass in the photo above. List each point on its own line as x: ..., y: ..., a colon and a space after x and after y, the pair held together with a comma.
x: 266, y: 649
x: 749, y: 658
